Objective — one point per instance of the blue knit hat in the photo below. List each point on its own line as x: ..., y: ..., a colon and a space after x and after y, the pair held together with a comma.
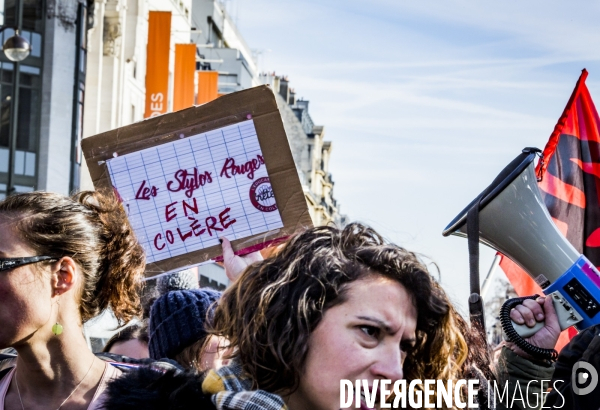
x: 177, y: 320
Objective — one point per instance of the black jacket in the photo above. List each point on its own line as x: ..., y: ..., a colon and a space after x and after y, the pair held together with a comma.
x: 584, y: 347
x: 149, y: 389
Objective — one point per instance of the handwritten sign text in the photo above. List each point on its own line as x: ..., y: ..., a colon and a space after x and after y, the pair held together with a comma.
x: 181, y: 196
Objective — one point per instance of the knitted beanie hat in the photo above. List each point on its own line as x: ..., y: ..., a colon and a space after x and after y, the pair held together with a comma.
x: 185, y: 279
x: 177, y: 320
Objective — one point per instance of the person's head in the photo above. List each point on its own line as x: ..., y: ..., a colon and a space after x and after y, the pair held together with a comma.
x: 182, y: 280
x: 338, y: 304
x: 93, y: 261
x: 177, y: 328
x: 131, y: 341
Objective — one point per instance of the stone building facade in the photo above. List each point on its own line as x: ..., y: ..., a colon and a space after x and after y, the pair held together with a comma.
x: 116, y: 64
x: 310, y: 150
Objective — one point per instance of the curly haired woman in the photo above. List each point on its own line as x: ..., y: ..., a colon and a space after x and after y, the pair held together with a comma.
x: 330, y: 305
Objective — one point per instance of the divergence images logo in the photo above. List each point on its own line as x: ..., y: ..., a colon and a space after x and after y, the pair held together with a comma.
x: 584, y: 378
x: 262, y: 196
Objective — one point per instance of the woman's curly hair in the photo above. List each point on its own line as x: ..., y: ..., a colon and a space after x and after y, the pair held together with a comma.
x: 269, y: 313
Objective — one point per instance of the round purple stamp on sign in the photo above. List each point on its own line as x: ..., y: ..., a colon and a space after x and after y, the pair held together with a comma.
x: 262, y: 196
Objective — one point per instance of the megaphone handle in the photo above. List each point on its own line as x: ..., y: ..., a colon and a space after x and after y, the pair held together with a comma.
x: 526, y: 331
x: 566, y: 314
x: 548, y: 355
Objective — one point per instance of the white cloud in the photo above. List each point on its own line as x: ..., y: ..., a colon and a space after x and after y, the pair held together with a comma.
x: 426, y: 101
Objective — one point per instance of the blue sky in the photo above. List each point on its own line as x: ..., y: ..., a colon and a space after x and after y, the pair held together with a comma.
x: 426, y: 101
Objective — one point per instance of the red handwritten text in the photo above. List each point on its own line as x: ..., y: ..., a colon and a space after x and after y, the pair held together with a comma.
x: 212, y: 224
x: 170, y: 211
x: 230, y: 168
x: 189, y: 181
x: 145, y: 193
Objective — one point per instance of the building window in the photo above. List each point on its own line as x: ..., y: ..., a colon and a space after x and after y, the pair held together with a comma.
x: 29, y: 107
x: 28, y: 129
x: 206, y: 282
x: 33, y: 11
x: 79, y: 119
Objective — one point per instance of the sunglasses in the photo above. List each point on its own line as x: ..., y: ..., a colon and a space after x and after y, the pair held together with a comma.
x: 11, y: 263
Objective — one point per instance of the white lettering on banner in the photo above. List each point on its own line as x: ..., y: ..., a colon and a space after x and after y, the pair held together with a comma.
x: 419, y: 394
x: 461, y: 393
x: 156, y: 106
x: 181, y: 195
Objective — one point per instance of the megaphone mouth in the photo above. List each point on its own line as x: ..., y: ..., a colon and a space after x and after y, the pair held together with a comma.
x: 503, y: 180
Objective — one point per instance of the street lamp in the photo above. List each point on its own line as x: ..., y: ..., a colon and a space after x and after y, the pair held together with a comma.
x: 16, y: 48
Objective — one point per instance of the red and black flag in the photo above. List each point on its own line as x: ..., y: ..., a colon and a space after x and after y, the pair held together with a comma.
x: 570, y: 185
x: 571, y: 173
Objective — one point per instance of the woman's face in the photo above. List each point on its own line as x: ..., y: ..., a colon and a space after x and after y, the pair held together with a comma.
x: 215, y: 353
x: 364, y: 338
x: 25, y: 298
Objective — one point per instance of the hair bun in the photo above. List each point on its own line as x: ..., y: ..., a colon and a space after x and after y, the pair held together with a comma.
x: 123, y: 259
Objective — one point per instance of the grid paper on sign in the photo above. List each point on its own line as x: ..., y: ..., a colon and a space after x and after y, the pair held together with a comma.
x: 161, y: 220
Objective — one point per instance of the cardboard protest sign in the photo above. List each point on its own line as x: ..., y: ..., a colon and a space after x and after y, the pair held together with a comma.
x: 186, y: 178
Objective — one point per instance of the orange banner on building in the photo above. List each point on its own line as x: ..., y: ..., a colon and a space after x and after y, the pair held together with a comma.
x: 185, y: 70
x: 157, y: 63
x: 208, y: 86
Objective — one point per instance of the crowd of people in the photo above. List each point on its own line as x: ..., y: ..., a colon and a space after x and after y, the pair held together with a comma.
x: 328, y: 304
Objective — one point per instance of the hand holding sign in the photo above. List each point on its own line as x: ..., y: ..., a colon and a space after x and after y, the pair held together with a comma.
x: 234, y: 264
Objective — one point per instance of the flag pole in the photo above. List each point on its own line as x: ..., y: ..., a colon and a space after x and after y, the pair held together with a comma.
x: 490, y: 276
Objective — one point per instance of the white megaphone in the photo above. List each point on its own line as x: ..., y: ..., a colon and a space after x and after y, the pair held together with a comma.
x: 514, y: 220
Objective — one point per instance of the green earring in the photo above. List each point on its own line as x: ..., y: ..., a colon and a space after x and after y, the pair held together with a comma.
x: 57, y: 329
